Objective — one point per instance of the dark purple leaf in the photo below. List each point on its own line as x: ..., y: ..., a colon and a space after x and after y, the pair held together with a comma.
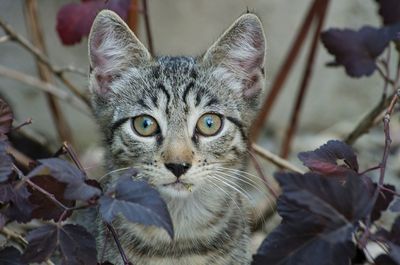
x: 358, y: 50
x: 76, y: 188
x: 389, y: 10
x: 303, y: 244
x: 16, y: 196
x: 395, y: 207
x: 319, y: 217
x: 6, y: 119
x: 383, y: 201
x: 42, y: 243
x: 76, y: 245
x: 325, y: 159
x: 74, y: 20
x: 5, y: 163
x: 138, y: 202
x: 384, y: 260
x: 10, y: 256
x: 3, y: 221
x: 44, y: 207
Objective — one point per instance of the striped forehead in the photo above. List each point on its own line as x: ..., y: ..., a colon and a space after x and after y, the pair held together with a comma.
x: 175, y: 87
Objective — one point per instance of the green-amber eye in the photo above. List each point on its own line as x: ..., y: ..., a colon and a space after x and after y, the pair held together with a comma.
x: 145, y: 125
x: 209, y: 124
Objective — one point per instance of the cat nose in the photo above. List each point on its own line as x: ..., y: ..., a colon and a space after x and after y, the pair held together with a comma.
x: 178, y: 169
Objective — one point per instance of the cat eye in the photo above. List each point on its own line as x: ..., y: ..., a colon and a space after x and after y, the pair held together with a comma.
x: 145, y: 125
x: 209, y: 124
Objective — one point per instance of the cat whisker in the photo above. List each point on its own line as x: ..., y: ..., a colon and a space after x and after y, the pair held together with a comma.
x: 258, y: 213
x: 229, y: 197
x: 245, y: 180
x: 114, y: 171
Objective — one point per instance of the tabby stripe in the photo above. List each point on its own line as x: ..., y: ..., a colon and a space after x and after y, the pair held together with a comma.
x: 239, y: 125
x: 114, y: 127
x: 162, y: 88
x: 187, y: 89
x: 221, y: 243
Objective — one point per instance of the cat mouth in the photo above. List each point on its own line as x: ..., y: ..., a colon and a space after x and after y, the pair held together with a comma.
x: 179, y: 185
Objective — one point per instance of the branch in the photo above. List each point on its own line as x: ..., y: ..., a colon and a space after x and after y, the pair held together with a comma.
x: 284, y: 71
x: 32, y: 23
x: 20, y: 158
x: 42, y: 58
x: 274, y: 159
x: 121, y: 250
x: 320, y: 17
x: 147, y: 26
x: 368, y: 121
x: 33, y: 81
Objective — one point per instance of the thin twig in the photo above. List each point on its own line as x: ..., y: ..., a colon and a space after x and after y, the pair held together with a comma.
x: 147, y: 26
x: 14, y: 36
x: 261, y: 174
x: 19, y: 126
x: 33, y: 81
x: 274, y: 159
x: 72, y: 69
x: 20, y: 158
x: 32, y: 23
x: 386, y: 150
x: 284, y: 72
x: 40, y: 189
x: 121, y: 250
x: 293, y: 123
x: 66, y: 148
x: 368, y: 121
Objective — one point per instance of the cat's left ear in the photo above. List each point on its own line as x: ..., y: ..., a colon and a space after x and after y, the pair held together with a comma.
x: 239, y: 54
x: 113, y: 48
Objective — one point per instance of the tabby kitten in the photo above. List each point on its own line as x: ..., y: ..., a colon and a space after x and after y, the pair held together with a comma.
x: 184, y: 122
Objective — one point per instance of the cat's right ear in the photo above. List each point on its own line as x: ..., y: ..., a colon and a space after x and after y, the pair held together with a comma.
x: 113, y: 47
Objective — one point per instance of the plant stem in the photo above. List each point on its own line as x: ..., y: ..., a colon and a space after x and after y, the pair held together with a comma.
x: 274, y: 159
x: 32, y: 23
x: 284, y: 72
x: 148, y: 28
x: 56, y: 91
x: 14, y: 36
x: 120, y: 249
x: 292, y: 127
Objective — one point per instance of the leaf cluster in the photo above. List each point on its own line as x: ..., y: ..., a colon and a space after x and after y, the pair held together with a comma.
x: 326, y: 211
x: 51, y: 190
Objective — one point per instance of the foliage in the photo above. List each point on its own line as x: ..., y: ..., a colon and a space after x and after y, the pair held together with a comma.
x: 325, y: 211
x: 358, y: 50
x: 52, y: 190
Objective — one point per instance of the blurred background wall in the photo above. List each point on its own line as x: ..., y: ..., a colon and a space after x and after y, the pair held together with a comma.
x: 188, y: 27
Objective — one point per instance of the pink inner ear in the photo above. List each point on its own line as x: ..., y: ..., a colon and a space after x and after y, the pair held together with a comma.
x: 103, y: 84
x: 252, y: 86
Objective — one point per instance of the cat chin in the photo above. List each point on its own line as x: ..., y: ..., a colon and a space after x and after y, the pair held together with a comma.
x: 176, y: 190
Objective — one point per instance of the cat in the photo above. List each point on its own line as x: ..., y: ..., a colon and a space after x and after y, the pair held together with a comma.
x: 184, y: 123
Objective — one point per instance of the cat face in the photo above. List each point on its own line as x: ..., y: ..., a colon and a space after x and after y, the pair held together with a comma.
x: 182, y: 121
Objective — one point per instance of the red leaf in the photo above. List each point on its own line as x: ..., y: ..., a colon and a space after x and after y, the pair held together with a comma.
x: 74, y: 20
x: 324, y: 160
x: 46, y: 208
